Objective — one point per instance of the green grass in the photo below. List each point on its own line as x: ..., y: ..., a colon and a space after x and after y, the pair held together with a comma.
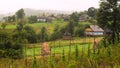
x: 84, y: 23
x: 37, y: 26
x: 58, y: 45
x: 58, y: 50
x: 50, y: 26
x: 10, y: 26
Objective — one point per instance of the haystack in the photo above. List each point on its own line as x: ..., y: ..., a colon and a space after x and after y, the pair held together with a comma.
x: 45, y: 50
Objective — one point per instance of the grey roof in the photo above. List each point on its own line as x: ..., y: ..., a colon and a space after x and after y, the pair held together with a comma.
x: 67, y: 34
x: 96, y: 28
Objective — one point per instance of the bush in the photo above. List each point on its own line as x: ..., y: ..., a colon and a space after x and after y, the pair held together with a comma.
x: 79, y: 31
x: 1, y: 45
x: 3, y: 25
x: 12, y: 53
x: 30, y: 34
x: 1, y: 53
x: 43, y: 35
x: 56, y: 34
x: 8, y: 48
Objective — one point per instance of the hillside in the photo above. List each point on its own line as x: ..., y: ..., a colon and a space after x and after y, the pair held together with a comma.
x: 29, y: 12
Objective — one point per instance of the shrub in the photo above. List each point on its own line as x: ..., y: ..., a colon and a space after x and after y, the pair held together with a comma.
x: 3, y: 25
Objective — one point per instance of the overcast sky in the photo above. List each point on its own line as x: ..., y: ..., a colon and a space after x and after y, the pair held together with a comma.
x: 66, y: 5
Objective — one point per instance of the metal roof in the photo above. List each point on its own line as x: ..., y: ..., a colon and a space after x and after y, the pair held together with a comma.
x: 96, y: 28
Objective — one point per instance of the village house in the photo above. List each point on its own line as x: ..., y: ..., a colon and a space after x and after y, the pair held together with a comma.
x: 44, y: 19
x: 94, y: 30
x: 67, y: 36
x: 83, y: 18
x: 41, y: 19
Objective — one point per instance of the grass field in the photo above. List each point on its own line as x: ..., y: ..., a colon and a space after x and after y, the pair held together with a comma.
x: 50, y: 26
x: 57, y: 50
x: 58, y: 45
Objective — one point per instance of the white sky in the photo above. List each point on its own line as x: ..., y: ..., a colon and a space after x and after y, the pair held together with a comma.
x: 66, y: 5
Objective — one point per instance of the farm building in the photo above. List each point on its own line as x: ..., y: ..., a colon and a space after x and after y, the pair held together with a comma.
x: 94, y: 30
x: 67, y: 36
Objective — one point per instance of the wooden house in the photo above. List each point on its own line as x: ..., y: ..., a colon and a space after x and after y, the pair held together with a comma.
x: 94, y: 30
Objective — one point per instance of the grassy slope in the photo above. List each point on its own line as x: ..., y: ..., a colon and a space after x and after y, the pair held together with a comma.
x: 58, y: 45
x: 49, y: 26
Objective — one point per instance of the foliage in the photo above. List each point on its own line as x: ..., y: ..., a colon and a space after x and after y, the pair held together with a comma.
x: 76, y: 53
x: 108, y: 17
x: 9, y: 48
x: 70, y: 27
x: 63, y: 55
x: 30, y: 34
x: 20, y: 14
x: 3, y: 25
x: 74, y: 18
x: 79, y: 31
x: 32, y: 19
x: 91, y: 12
x: 57, y: 34
x: 20, y: 25
x: 94, y: 61
x: 10, y: 18
x: 43, y: 35
x: 73, y: 21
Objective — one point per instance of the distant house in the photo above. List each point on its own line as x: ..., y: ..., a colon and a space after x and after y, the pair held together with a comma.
x: 44, y: 19
x: 94, y: 30
x: 67, y: 36
x: 83, y: 18
x: 41, y: 19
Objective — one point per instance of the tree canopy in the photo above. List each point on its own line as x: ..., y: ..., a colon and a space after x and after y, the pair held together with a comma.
x: 20, y: 14
x: 109, y: 17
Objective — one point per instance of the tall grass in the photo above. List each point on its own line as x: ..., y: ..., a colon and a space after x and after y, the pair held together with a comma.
x: 80, y: 57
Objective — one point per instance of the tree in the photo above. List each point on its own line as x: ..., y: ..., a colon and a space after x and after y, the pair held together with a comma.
x: 9, y: 18
x: 91, y: 12
x: 9, y: 47
x: 57, y: 33
x: 43, y: 34
x: 32, y: 19
x: 74, y: 17
x: 30, y: 34
x: 73, y: 21
x: 70, y: 27
x: 108, y: 17
x: 20, y: 25
x: 20, y: 14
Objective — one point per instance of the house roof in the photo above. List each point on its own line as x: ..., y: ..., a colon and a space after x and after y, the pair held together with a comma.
x: 88, y: 29
x: 67, y: 34
x: 96, y: 28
